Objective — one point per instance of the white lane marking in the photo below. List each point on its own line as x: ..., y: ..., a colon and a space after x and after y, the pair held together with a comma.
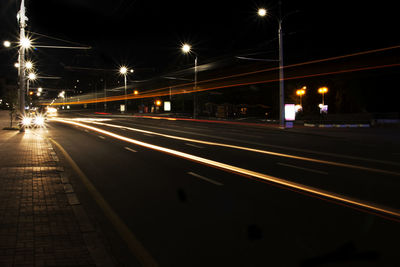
x: 302, y: 168
x: 189, y: 144
x: 205, y: 178
x: 244, y: 172
x: 101, y: 137
x: 130, y: 149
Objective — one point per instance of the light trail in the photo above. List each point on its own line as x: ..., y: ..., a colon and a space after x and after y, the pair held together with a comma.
x: 215, y: 87
x: 333, y: 163
x: 378, y: 210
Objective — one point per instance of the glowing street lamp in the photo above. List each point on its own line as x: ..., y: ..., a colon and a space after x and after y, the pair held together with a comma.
x: 7, y: 44
x: 136, y: 92
x: 31, y: 77
x: 323, y: 91
x: 262, y: 12
x: 123, y: 71
x: 301, y: 92
x: 28, y: 65
x: 25, y: 43
x: 186, y: 48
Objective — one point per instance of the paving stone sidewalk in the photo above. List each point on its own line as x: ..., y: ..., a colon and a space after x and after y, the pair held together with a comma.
x: 41, y: 220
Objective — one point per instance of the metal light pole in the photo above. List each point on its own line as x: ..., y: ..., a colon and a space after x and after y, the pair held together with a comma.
x: 281, y: 77
x: 188, y: 49
x: 263, y: 12
x: 21, y: 69
x: 195, y: 88
x: 123, y: 71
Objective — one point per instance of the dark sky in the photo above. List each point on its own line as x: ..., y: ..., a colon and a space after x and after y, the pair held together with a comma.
x: 148, y: 33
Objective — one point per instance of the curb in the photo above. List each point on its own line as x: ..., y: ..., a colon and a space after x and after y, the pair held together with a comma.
x: 337, y: 125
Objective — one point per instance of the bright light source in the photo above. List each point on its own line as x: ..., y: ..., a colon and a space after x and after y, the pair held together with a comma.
x: 28, y: 65
x: 167, y: 106
x: 323, y: 90
x: 136, y: 92
x: 131, y: 71
x: 300, y: 92
x: 262, y: 12
x: 16, y: 65
x: 7, y: 43
x: 123, y: 70
x: 61, y: 94
x: 26, y: 121
x: 40, y: 89
x: 38, y: 94
x: 158, y: 103
x: 25, y: 43
x: 32, y: 76
x: 290, y: 112
x: 30, y: 93
x: 186, y: 48
x: 51, y: 111
x: 38, y: 121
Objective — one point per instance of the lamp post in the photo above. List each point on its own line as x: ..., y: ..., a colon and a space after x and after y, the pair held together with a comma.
x: 323, y: 90
x: 301, y: 92
x: 262, y: 12
x: 188, y: 49
x: 124, y: 71
x: 24, y: 44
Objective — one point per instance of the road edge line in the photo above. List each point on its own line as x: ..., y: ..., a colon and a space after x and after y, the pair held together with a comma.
x: 135, y: 246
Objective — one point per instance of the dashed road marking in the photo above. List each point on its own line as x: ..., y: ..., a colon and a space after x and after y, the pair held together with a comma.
x: 193, y: 145
x: 205, y: 179
x: 302, y: 168
x: 130, y: 149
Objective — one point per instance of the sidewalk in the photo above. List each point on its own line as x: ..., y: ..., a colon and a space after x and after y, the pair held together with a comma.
x: 41, y: 220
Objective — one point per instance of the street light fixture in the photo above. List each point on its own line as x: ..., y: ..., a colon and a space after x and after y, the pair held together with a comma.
x: 124, y: 71
x: 7, y: 44
x: 186, y: 48
x: 323, y: 91
x: 301, y: 92
x: 25, y: 43
x: 262, y: 12
x: 28, y: 65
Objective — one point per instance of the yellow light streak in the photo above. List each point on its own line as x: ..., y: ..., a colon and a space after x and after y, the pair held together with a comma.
x: 333, y: 163
x: 268, y: 178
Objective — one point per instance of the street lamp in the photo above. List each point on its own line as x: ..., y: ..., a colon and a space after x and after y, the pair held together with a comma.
x: 262, y: 12
x: 7, y: 44
x: 323, y: 91
x: 28, y: 65
x: 123, y: 71
x: 301, y: 92
x: 31, y: 77
x: 186, y: 48
x: 25, y: 43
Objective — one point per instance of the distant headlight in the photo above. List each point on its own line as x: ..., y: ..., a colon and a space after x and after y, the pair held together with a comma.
x: 26, y: 121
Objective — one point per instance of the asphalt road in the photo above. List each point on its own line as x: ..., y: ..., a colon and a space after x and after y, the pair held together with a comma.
x: 190, y: 193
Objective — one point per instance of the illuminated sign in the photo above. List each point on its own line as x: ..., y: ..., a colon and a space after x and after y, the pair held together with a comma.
x: 290, y: 112
x: 167, y: 106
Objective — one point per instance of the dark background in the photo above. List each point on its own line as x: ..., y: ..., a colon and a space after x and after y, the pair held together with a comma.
x: 146, y: 35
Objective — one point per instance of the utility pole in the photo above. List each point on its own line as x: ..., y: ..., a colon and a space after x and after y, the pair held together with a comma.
x: 21, y: 70
x: 281, y: 77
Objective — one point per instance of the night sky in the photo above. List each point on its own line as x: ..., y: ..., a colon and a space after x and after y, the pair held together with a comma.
x: 147, y: 34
